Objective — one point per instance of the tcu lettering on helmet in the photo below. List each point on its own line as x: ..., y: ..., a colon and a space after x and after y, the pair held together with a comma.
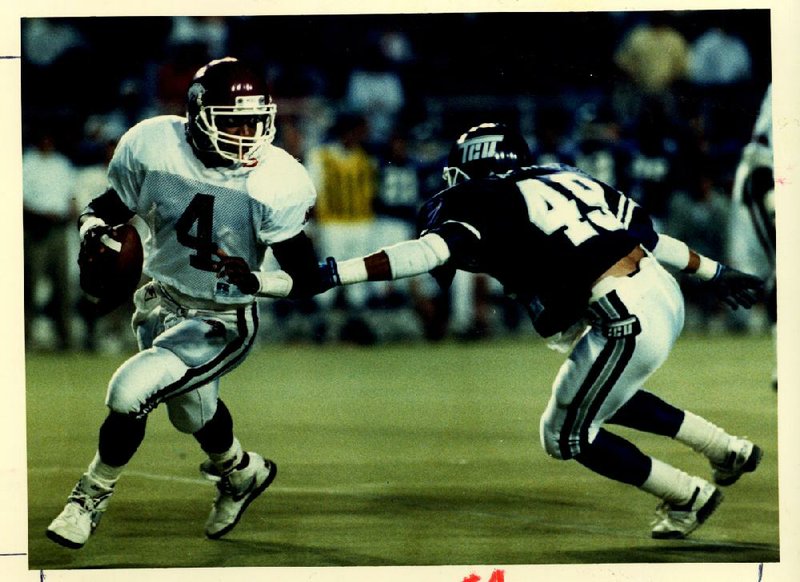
x: 479, y: 147
x: 230, y: 114
x: 485, y: 150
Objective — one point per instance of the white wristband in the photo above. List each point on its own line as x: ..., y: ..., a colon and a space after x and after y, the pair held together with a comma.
x: 275, y: 284
x: 708, y: 269
x: 352, y: 271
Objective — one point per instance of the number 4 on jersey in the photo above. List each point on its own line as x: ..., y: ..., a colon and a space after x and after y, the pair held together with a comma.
x: 200, y: 212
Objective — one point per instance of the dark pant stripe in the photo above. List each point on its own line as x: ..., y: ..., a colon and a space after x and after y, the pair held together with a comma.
x: 625, y: 347
x: 600, y: 380
x: 236, y: 350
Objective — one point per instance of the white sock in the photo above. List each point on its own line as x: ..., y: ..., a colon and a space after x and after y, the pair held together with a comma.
x: 704, y: 437
x: 225, y: 462
x: 668, y: 483
x: 99, y: 473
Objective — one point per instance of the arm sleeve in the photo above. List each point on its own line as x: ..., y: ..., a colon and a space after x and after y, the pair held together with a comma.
x: 404, y: 259
x: 677, y: 254
x: 671, y: 252
x: 109, y: 208
x: 298, y: 259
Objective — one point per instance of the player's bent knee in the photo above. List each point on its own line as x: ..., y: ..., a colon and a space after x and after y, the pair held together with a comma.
x: 183, y: 420
x: 189, y: 416
x: 550, y: 439
x: 138, y: 380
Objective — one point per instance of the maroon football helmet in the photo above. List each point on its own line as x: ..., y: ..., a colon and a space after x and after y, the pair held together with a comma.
x: 225, y: 96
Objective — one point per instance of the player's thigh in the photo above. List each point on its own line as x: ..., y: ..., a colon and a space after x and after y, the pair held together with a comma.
x: 189, y: 354
x: 602, y: 372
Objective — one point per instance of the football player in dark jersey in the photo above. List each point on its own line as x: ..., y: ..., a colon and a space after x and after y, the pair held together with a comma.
x: 588, y: 266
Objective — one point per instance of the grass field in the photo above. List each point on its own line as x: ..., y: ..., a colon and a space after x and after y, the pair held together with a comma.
x: 419, y: 454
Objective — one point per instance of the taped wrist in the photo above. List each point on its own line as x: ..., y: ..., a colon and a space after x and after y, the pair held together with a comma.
x: 276, y: 284
x: 352, y: 271
x: 708, y: 269
x: 88, y: 224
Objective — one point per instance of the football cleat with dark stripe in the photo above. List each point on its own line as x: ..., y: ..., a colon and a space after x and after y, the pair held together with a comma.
x: 235, y: 491
x: 743, y: 457
x: 675, y: 522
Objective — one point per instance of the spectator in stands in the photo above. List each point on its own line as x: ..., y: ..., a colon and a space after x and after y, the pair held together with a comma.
x: 346, y: 178
x: 599, y: 149
x: 552, y: 144
x: 652, y: 57
x: 720, y: 63
x: 375, y: 90
x: 657, y: 163
x: 698, y: 215
x: 718, y: 58
x: 49, y: 211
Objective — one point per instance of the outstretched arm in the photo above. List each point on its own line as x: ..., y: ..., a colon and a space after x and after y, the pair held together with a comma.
x: 404, y: 259
x: 735, y: 288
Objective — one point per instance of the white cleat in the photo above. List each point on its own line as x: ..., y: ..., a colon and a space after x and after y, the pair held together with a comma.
x: 675, y: 522
x: 235, y: 491
x: 80, y: 516
x: 743, y: 457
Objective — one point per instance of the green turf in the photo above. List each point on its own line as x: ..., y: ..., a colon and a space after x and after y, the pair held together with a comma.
x: 399, y: 455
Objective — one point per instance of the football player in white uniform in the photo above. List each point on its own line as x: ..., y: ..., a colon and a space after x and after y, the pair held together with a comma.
x: 215, y: 194
x: 751, y: 230
x: 585, y: 262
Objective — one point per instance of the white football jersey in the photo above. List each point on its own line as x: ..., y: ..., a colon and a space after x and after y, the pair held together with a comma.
x: 193, y: 211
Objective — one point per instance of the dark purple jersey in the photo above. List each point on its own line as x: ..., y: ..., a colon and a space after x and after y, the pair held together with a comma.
x: 546, y: 233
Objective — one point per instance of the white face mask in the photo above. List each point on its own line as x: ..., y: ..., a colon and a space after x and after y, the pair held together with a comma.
x: 239, y: 147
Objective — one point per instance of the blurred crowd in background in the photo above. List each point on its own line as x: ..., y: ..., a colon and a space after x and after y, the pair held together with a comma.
x: 658, y: 104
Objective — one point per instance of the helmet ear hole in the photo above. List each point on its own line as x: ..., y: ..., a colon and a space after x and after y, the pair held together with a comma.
x: 485, y: 150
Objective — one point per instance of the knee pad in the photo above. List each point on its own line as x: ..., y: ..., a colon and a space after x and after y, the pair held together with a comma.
x: 184, y: 418
x: 558, y: 443
x: 189, y: 412
x: 134, y: 387
x: 549, y: 437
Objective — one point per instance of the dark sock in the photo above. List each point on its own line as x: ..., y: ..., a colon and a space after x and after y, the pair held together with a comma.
x: 614, y: 457
x: 648, y: 413
x: 120, y: 437
x: 216, y: 436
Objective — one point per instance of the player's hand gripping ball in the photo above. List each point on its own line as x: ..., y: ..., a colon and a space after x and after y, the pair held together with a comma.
x: 110, y: 261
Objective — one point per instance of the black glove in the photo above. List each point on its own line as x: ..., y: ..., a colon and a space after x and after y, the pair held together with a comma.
x: 91, y: 240
x: 237, y: 271
x: 737, y: 289
x: 94, y: 261
x: 328, y: 275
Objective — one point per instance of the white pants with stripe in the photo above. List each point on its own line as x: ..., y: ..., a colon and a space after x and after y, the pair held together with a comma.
x: 183, y: 353
x: 635, y: 322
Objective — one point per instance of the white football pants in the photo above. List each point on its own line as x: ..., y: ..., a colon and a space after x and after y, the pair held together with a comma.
x: 635, y: 322
x: 183, y: 353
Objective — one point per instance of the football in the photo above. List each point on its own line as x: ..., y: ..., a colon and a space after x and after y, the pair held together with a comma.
x: 111, y: 266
